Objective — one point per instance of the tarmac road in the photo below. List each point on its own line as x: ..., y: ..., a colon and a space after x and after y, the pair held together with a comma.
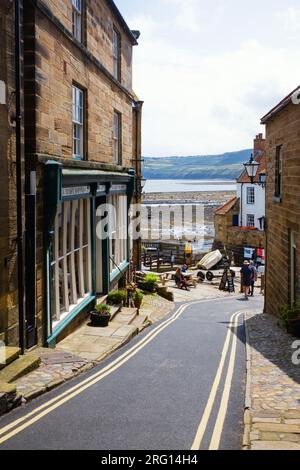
x: 178, y: 386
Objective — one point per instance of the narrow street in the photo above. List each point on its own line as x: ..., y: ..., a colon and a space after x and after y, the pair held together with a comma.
x: 179, y: 385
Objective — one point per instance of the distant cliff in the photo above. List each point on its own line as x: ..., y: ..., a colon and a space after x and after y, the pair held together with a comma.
x: 227, y: 166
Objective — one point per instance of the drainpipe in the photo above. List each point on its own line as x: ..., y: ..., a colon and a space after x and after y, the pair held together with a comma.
x: 19, y: 175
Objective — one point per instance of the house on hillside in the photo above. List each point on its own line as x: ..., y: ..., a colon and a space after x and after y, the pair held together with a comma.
x: 283, y: 203
x: 240, y: 222
x: 80, y: 148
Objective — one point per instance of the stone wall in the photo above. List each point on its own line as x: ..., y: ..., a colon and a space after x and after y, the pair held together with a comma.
x: 8, y: 222
x: 283, y: 216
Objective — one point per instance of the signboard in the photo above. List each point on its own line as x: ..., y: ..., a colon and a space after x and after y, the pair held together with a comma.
x: 76, y: 191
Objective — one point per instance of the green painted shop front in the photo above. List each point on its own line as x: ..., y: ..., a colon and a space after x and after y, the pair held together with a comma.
x: 85, y: 253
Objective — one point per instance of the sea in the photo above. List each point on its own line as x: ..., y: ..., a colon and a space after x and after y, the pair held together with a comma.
x: 174, y: 186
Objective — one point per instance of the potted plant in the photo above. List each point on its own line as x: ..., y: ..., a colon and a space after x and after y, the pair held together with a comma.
x: 118, y: 297
x: 100, y: 317
x: 149, y: 283
x: 290, y: 319
x: 138, y: 298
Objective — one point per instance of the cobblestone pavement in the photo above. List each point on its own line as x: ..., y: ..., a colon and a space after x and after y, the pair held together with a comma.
x: 272, y: 420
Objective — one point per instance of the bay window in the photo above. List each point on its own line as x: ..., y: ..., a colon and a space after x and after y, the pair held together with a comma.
x: 118, y: 231
x: 71, y: 260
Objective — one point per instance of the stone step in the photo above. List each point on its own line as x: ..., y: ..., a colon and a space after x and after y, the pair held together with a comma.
x: 10, y: 355
x: 19, y: 367
x: 141, y: 322
x: 115, y: 309
x: 126, y: 316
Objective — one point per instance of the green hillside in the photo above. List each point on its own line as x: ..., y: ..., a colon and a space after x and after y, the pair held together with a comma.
x: 226, y: 166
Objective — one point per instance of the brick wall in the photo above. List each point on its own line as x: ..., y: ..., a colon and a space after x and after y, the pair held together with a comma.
x: 282, y: 217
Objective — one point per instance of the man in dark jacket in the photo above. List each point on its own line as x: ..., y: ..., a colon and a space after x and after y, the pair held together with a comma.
x: 247, y: 276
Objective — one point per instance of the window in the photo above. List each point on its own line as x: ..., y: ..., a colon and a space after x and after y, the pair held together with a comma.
x: 278, y: 172
x: 71, y: 261
x: 116, y: 55
x: 78, y: 123
x: 118, y: 232
x: 117, y: 139
x: 293, y: 267
x: 77, y: 19
x: 251, y: 195
x: 250, y: 220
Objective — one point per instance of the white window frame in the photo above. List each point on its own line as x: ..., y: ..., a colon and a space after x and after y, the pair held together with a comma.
x: 251, y: 195
x: 116, y: 55
x: 78, y: 122
x: 77, y: 19
x: 117, y: 138
x: 118, y: 232
x: 252, y: 218
x: 71, y: 262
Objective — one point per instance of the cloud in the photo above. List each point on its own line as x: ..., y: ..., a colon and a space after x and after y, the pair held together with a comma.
x: 203, y: 100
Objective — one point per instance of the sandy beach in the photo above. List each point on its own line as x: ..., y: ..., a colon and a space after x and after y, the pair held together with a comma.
x: 171, y: 227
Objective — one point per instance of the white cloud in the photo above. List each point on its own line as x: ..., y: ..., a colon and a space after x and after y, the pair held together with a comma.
x: 203, y: 101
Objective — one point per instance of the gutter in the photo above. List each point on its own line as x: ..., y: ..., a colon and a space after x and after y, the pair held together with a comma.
x: 19, y: 175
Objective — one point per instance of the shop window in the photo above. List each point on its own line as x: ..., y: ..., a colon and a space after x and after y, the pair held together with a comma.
x: 71, y: 269
x: 118, y: 231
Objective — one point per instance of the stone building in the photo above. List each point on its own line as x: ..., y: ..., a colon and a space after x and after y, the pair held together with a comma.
x: 10, y: 236
x: 283, y: 203
x: 82, y: 150
x: 239, y: 223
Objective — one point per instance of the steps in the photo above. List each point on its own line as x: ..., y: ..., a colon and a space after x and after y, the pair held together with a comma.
x: 126, y: 316
x: 16, y: 365
x: 10, y: 355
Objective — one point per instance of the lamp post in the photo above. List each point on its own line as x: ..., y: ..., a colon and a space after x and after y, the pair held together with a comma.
x: 251, y: 168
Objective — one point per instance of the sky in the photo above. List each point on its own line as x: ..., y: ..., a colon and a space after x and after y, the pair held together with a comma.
x: 208, y: 70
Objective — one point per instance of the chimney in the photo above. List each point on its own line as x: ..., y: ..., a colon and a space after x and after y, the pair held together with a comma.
x: 259, y: 143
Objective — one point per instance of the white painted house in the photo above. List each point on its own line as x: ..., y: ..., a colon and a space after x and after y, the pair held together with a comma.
x: 252, y: 196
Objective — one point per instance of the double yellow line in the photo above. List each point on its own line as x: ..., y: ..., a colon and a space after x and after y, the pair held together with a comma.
x: 19, y: 425
x: 37, y: 414
x: 219, y: 424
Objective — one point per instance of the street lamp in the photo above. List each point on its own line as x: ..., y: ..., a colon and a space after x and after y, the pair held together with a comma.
x: 251, y: 168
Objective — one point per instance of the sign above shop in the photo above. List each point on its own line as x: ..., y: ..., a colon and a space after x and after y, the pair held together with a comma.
x: 76, y: 191
x: 119, y: 187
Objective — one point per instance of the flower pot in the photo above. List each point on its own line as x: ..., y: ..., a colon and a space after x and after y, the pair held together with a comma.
x: 294, y: 327
x: 99, y: 319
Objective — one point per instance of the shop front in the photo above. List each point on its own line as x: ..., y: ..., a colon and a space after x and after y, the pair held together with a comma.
x: 87, y: 247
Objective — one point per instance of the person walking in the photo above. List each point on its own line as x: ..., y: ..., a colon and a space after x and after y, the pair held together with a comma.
x: 246, y: 276
x: 254, y: 279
